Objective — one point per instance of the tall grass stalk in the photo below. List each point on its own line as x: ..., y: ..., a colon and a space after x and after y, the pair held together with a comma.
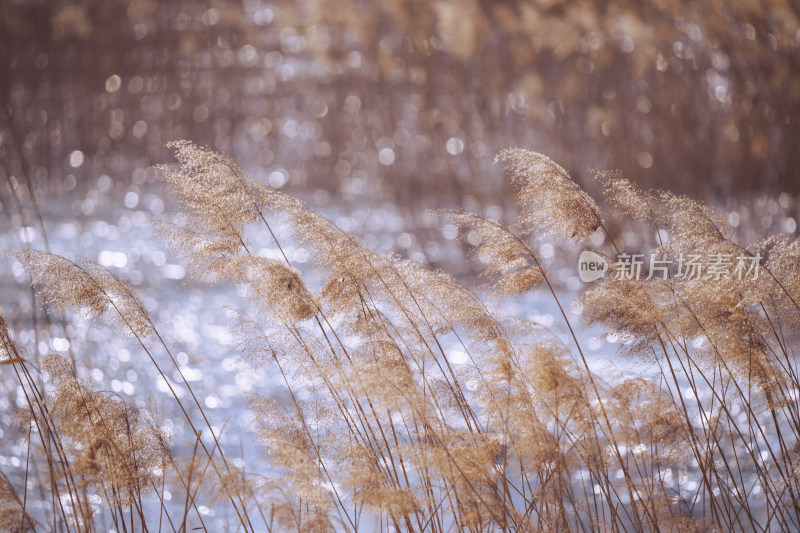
x: 380, y: 429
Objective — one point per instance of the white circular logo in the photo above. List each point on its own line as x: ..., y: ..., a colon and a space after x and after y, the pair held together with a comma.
x: 591, y: 266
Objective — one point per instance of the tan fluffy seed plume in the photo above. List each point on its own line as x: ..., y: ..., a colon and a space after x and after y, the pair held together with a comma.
x: 213, y: 189
x: 512, y: 268
x: 87, y: 286
x: 13, y: 517
x: 551, y: 201
x: 626, y: 195
x: 114, y: 447
x: 273, y: 284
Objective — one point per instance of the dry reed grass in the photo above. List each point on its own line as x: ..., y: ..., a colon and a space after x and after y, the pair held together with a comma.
x: 387, y: 433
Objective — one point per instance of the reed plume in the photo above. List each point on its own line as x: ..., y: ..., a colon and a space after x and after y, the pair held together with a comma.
x: 13, y: 517
x: 550, y: 201
x: 408, y: 403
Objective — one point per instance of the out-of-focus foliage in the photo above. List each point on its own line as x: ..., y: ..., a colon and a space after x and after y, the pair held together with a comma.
x: 671, y: 91
x: 397, y: 96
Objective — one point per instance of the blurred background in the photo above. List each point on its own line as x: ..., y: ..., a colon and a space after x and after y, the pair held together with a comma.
x: 373, y: 112
x: 377, y: 111
x: 402, y: 100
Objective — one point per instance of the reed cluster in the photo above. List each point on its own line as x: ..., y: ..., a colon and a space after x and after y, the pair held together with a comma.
x: 378, y: 427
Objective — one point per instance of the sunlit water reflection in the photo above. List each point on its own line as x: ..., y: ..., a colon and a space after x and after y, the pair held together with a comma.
x: 114, y: 230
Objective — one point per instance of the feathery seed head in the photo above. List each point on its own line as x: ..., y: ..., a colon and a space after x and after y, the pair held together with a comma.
x: 551, y: 201
x: 88, y: 287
